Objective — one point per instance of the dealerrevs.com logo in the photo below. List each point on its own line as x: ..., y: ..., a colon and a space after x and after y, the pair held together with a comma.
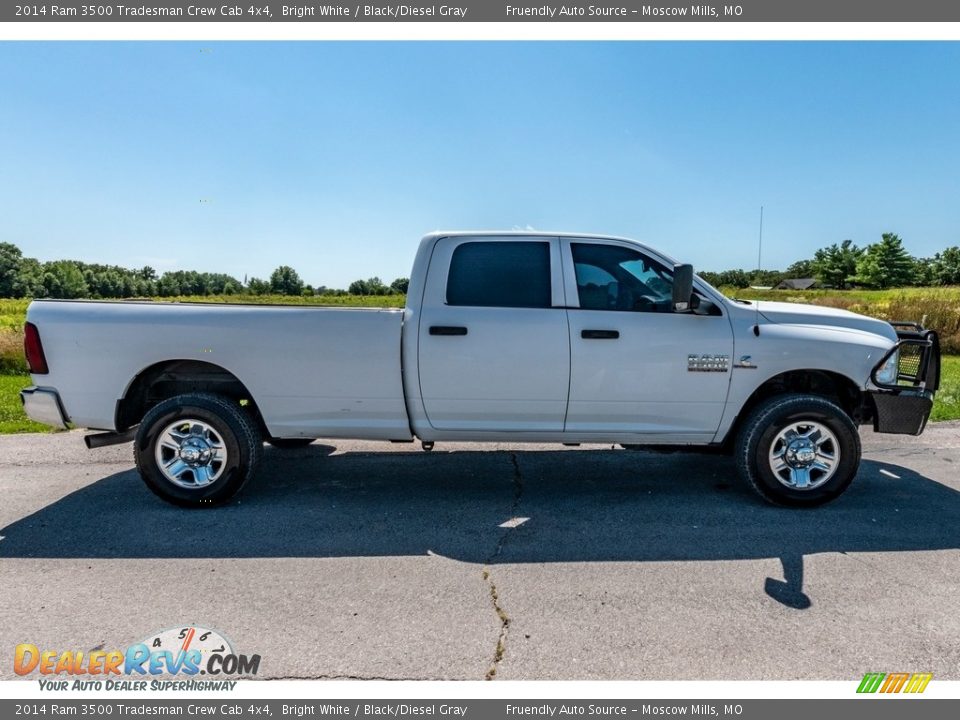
x: 189, y: 651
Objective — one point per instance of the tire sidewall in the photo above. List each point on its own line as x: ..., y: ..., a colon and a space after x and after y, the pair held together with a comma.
x: 157, y: 420
x: 787, y: 412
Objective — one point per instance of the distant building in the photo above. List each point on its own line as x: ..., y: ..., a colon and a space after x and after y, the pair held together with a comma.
x: 796, y: 284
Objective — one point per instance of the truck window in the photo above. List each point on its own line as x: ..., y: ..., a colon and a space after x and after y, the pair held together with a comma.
x: 612, y: 277
x: 500, y: 274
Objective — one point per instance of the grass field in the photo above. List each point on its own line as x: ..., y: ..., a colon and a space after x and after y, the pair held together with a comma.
x: 939, y: 308
x: 12, y: 419
x: 946, y: 406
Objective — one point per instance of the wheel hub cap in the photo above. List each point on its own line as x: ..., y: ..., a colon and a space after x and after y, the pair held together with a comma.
x: 191, y: 453
x: 804, y: 455
x: 196, y: 451
x: 800, y: 453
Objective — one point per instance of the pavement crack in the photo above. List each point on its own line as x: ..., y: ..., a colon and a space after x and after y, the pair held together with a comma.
x: 502, y: 616
x: 501, y: 647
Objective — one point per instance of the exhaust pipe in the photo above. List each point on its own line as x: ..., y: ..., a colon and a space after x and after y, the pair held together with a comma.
x: 99, y: 440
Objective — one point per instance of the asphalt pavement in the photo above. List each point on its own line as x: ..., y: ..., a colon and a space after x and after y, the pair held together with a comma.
x: 367, y: 560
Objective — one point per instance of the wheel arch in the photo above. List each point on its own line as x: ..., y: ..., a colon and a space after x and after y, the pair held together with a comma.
x: 169, y: 378
x: 828, y: 384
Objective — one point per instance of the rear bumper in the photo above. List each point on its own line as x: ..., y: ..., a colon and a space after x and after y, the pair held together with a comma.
x: 43, y: 405
x: 904, y: 407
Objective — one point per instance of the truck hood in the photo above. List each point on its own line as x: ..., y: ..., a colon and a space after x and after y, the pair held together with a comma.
x: 798, y: 314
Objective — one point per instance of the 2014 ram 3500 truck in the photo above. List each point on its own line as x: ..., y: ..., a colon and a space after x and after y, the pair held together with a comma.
x: 505, y: 337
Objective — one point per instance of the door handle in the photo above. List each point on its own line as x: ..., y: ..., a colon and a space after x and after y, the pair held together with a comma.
x: 447, y: 330
x: 600, y: 334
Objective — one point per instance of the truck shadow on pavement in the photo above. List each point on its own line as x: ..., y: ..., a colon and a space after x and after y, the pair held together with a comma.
x: 491, y: 507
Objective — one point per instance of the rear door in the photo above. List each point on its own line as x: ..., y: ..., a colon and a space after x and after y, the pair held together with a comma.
x: 636, y: 366
x: 494, y: 345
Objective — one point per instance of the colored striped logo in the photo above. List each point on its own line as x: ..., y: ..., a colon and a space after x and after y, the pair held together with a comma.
x: 894, y: 682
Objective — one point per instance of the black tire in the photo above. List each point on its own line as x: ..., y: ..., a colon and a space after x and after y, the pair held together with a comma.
x: 761, y: 433
x: 236, y: 438
x: 289, y: 443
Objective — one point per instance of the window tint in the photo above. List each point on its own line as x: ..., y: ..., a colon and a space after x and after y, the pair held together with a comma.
x: 612, y: 277
x: 500, y: 274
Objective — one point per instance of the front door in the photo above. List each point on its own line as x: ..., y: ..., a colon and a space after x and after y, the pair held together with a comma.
x: 637, y: 366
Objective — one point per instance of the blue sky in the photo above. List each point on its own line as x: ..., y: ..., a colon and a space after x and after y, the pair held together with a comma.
x: 336, y: 157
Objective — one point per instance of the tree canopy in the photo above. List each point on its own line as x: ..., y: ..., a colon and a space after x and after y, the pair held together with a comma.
x: 835, y: 266
x: 885, y: 264
x: 285, y: 281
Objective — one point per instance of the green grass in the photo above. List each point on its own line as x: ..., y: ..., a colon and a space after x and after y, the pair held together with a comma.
x: 860, y: 296
x: 12, y: 419
x: 946, y: 406
x: 314, y: 300
x: 13, y: 312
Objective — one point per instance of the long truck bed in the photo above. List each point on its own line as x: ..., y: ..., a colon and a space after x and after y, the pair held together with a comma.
x: 314, y: 371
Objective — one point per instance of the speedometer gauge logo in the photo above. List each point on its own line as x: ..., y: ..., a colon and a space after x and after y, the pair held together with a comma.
x: 206, y: 641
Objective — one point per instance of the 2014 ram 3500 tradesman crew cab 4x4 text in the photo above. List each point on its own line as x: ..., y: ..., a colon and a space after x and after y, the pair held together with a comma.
x: 505, y: 337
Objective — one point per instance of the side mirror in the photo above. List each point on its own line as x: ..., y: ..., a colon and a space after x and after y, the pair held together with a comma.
x: 682, y: 287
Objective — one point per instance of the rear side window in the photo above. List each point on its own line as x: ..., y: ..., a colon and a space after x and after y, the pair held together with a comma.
x: 500, y: 274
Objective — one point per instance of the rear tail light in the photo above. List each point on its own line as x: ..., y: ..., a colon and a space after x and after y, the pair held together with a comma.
x: 33, y: 349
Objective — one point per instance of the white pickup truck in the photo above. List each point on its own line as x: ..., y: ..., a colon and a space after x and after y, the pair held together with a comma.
x: 505, y: 337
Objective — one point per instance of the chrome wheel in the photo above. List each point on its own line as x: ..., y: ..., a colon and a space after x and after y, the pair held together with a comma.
x: 804, y: 455
x: 190, y: 453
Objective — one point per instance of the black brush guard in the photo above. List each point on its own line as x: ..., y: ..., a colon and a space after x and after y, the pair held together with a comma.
x: 903, y: 407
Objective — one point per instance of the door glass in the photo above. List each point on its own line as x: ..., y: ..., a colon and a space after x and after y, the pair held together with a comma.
x: 611, y: 277
x: 500, y: 274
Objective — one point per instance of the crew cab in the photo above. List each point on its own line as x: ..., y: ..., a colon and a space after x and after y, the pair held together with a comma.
x: 506, y: 336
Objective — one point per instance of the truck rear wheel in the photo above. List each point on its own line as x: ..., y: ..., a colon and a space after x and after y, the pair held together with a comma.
x: 197, y: 450
x: 798, y: 450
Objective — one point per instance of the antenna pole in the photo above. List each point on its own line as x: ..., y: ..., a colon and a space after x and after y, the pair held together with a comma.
x: 760, y: 242
x: 756, y: 303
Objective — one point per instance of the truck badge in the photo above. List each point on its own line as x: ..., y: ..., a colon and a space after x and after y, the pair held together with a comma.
x: 708, y: 363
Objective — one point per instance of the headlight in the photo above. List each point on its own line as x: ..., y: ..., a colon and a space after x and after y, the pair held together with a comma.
x: 887, y: 374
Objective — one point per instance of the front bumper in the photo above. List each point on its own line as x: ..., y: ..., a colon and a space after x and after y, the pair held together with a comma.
x: 43, y: 405
x: 903, y: 407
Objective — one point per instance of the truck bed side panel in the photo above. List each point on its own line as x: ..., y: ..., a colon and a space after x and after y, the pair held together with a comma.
x: 313, y: 372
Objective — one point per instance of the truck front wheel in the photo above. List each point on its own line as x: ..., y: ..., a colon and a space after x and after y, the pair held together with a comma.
x: 197, y: 450
x: 798, y: 450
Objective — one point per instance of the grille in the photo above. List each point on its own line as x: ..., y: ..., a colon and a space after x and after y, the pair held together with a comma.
x: 911, y: 362
x: 919, y: 363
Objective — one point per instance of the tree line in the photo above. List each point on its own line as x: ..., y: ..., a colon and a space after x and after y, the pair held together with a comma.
x: 883, y: 264
x: 23, y: 277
